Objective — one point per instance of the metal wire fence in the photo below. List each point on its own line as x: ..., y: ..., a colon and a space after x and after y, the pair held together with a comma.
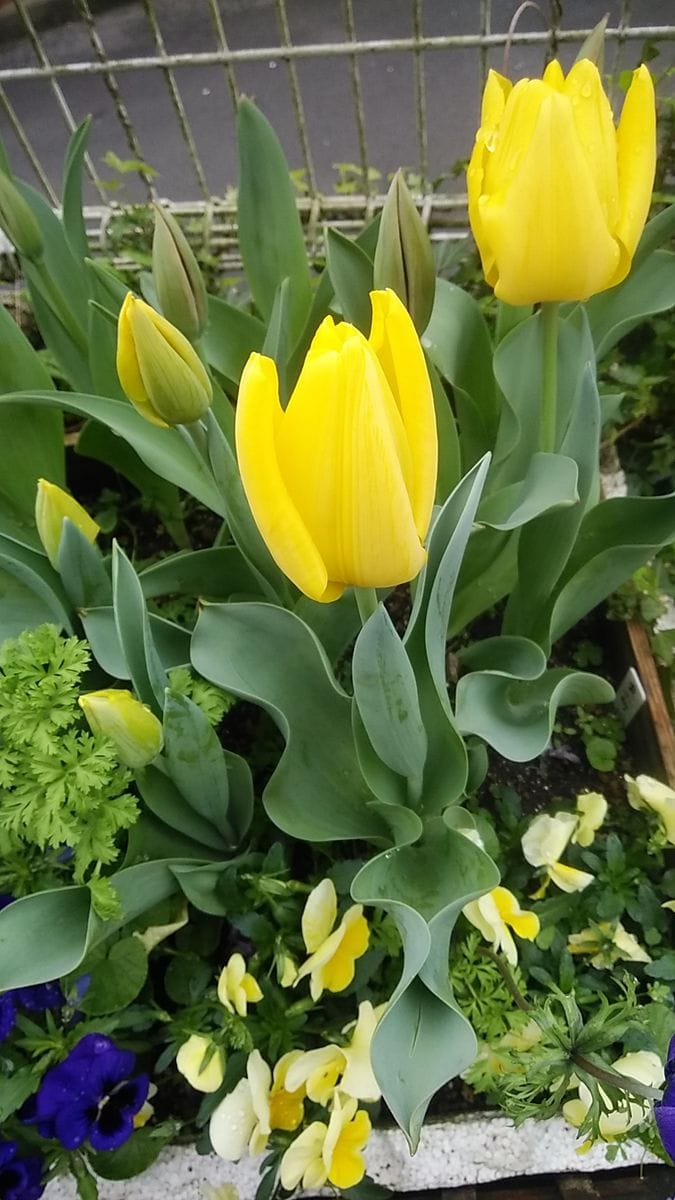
x: 145, y: 68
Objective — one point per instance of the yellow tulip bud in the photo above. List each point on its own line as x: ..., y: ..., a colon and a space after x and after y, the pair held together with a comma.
x: 558, y: 196
x: 341, y: 484
x: 52, y: 507
x: 403, y: 257
x: 131, y: 726
x: 159, y: 371
x: 17, y: 220
x: 177, y: 277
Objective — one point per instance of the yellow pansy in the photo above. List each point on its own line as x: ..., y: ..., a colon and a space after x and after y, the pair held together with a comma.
x: 328, y: 1153
x: 202, y: 1063
x: 642, y: 1065
x: 341, y: 482
x: 608, y: 943
x: 646, y: 792
x: 236, y: 987
x: 558, y: 196
x: 544, y: 841
x: 592, y: 810
x: 319, y: 1070
x: 258, y: 1104
x: 333, y: 952
x: 494, y: 912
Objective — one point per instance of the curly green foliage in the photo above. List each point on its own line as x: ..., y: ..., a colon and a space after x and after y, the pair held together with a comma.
x: 212, y: 700
x: 479, y: 988
x: 59, y: 785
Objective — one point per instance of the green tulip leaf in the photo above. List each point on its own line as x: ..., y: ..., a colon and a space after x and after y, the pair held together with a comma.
x: 388, y: 785
x: 230, y: 337
x: 71, y: 207
x: 276, y: 345
x: 458, y: 342
x: 423, y: 1040
x: 163, y: 450
x: 270, y: 234
x: 33, y: 571
x: 516, y: 716
x: 269, y: 656
x: 23, y: 608
x: 551, y: 482
x: 82, y: 569
x: 649, y: 289
x: 655, y: 234
x: 214, y: 574
x: 209, y: 886
x: 172, y: 641
x: 133, y: 629
x: 385, y: 692
x: 166, y: 802
x: 514, y: 656
x: 351, y: 274
x: 488, y: 573
x: 449, y: 449
x: 336, y: 625
x: 616, y: 538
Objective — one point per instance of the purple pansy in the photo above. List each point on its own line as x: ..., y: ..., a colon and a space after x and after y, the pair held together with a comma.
x: 20, y: 1175
x: 664, y: 1109
x: 90, y: 1096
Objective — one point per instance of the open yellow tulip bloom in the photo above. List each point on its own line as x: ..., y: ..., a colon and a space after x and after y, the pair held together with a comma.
x: 341, y: 484
x: 558, y: 196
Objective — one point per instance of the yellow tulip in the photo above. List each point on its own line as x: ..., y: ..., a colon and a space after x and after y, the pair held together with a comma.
x: 132, y: 728
x: 558, y: 196
x: 161, y: 374
x: 52, y: 507
x: 341, y: 484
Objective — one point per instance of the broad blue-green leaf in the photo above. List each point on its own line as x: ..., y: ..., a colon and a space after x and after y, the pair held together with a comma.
x: 277, y: 342
x: 172, y: 641
x: 270, y: 234
x: 616, y: 537
x: 215, y: 574
x: 458, y: 342
x: 551, y: 482
x: 516, y: 717
x: 82, y: 569
x: 205, y: 885
x: 514, y: 656
x: 195, y: 762
x: 389, y: 786
x: 230, y: 337
x: 133, y: 629
x: 423, y: 1040
x: 72, y: 216
x: 351, y: 274
x: 33, y: 571
x: 163, y: 450
x: 488, y: 573
x: 386, y: 695
x: 449, y: 449
x: 648, y: 289
x: 164, y: 799
x: 655, y: 234
x: 151, y: 838
x: 21, y: 607
x: 336, y: 625
x: 269, y: 656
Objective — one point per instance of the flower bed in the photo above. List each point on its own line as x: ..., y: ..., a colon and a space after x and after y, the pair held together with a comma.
x: 274, y: 858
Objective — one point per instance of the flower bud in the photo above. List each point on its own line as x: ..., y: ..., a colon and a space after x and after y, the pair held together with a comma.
x: 52, y: 506
x: 161, y: 374
x: 403, y: 258
x: 17, y: 220
x: 177, y: 277
x: 132, y: 728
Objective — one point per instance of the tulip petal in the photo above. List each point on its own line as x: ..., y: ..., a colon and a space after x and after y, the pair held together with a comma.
x: 345, y: 459
x: 258, y: 417
x: 636, y: 156
x: 532, y: 216
x: 394, y: 339
x: 495, y: 95
x: 597, y: 136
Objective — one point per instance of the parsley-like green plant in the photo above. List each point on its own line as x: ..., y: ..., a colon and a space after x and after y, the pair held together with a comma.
x: 61, y: 788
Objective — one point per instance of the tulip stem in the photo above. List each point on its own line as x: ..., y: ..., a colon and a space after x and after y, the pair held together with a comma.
x: 549, y: 396
x: 366, y: 601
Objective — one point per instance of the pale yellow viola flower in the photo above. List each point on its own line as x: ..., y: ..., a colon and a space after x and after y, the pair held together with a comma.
x: 592, y: 810
x: 543, y: 843
x: 236, y: 987
x: 259, y: 1103
x: 132, y: 727
x: 147, y: 1110
x: 286, y: 970
x: 201, y: 1062
x: 341, y: 482
x: 52, y: 507
x: 669, y: 904
x: 333, y: 952
x: 607, y: 943
x: 646, y: 792
x: 558, y: 196
x: 160, y: 373
x: 523, y: 1038
x: 318, y: 1071
x: 347, y: 1067
x: 642, y: 1065
x: 328, y: 1153
x: 494, y: 912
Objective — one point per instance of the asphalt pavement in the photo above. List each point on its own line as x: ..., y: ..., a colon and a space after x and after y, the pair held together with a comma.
x: 451, y: 89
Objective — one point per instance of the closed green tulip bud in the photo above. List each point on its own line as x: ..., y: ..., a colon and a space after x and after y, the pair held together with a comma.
x: 178, y: 280
x: 52, y: 506
x: 341, y: 482
x: 558, y: 196
x: 132, y: 728
x: 403, y: 258
x: 161, y: 374
x: 17, y: 220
